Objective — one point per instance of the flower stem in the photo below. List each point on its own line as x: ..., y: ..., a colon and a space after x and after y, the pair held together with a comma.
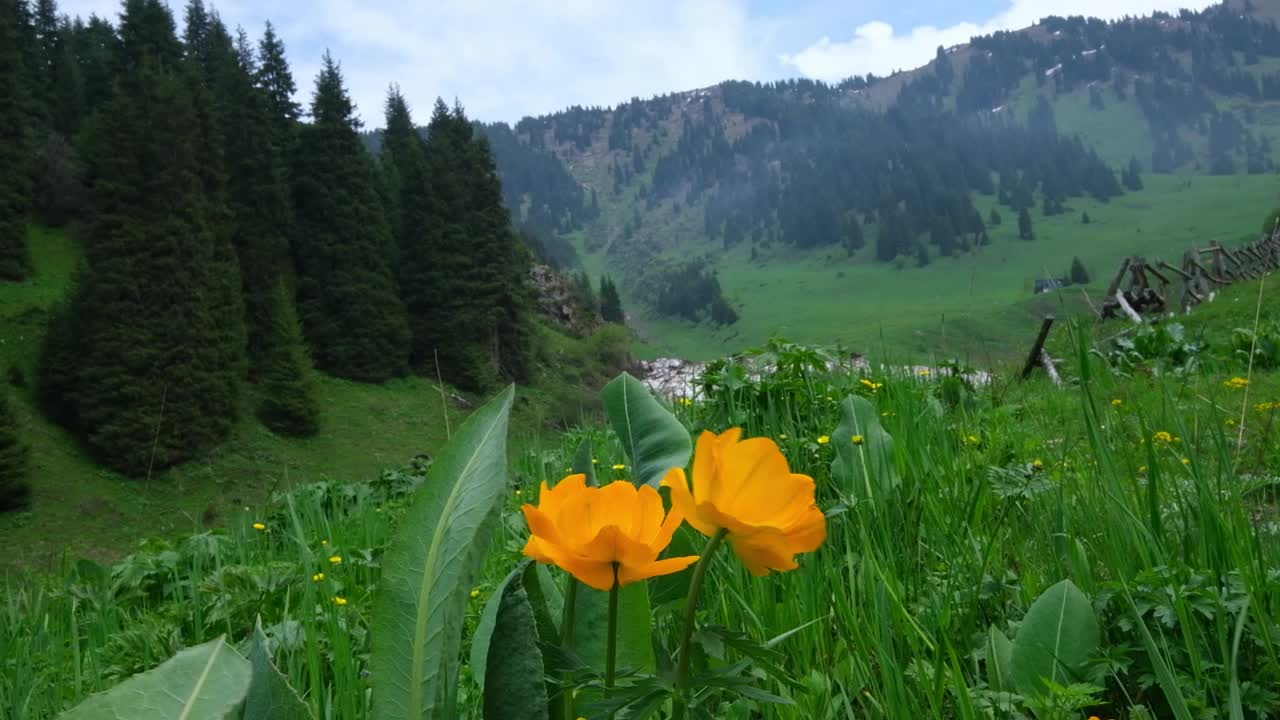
x: 566, y: 641
x: 611, y: 656
x: 691, y: 610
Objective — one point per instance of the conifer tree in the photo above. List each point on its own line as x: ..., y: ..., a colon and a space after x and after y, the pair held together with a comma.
x: 15, y: 459
x: 15, y: 134
x: 157, y: 318
x: 610, y: 303
x: 477, y: 274
x: 347, y: 297
x: 1025, y: 231
x: 275, y: 79
x: 1079, y: 275
x: 994, y: 219
x: 288, y: 404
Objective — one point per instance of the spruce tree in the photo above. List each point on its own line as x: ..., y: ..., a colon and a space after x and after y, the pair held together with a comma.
x: 417, y: 231
x: 288, y: 404
x: 347, y: 297
x: 15, y: 134
x: 1025, y: 231
x: 1079, y: 275
x: 994, y: 219
x: 15, y: 459
x: 477, y: 273
x: 157, y: 318
x: 610, y: 303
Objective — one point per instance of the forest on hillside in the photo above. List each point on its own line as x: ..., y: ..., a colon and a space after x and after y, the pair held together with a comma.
x: 806, y: 164
x: 231, y: 237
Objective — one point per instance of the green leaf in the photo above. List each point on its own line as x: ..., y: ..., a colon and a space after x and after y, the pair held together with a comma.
x: 270, y: 697
x: 865, y: 470
x: 1164, y: 675
x: 430, y: 568
x: 654, y: 439
x: 483, y: 636
x: 546, y: 599
x: 591, y: 624
x: 206, y: 682
x: 1057, y: 638
x: 516, y: 688
x: 582, y: 462
x: 999, y: 660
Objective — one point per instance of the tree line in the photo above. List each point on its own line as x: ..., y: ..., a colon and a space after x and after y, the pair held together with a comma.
x: 230, y: 239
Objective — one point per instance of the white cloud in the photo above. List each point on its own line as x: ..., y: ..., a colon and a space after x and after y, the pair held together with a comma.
x: 877, y: 48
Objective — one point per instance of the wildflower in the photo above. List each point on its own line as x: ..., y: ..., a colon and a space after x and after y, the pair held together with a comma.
x: 858, y: 439
x: 590, y: 531
x: 746, y: 489
x: 1142, y: 469
x: 824, y: 439
x: 783, y: 436
x: 687, y: 402
x: 339, y: 601
x: 595, y: 461
x: 475, y: 593
x: 1237, y: 383
x: 1186, y: 461
x: 888, y: 413
x: 1229, y: 422
x: 519, y: 492
x: 1163, y: 437
x: 1117, y: 402
x: 318, y: 577
x: 867, y: 383
x: 1038, y: 464
x: 619, y: 467
x: 259, y: 527
x: 972, y: 440
x: 336, y: 559
x: 925, y: 372
x: 324, y: 542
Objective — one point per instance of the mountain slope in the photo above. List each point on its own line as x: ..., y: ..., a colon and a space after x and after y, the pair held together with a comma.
x: 744, y: 195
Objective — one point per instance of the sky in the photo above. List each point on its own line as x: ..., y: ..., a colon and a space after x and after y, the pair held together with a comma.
x: 505, y: 59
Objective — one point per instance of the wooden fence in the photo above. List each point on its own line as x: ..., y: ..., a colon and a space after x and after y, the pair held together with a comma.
x: 1143, y: 287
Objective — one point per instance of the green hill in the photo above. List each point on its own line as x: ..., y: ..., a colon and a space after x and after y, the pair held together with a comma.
x: 759, y: 183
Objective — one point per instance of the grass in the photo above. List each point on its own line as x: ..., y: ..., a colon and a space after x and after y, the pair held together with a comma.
x: 996, y: 494
x: 978, y: 306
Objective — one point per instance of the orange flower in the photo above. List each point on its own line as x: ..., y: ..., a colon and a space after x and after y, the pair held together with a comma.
x: 746, y: 488
x: 589, y: 530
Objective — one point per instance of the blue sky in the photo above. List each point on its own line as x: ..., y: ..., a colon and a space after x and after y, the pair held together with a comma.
x: 504, y: 59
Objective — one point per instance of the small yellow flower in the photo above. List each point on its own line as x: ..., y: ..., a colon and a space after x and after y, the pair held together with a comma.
x: 783, y: 436
x: 888, y: 413
x: 1237, y: 383
x: 687, y: 402
x: 324, y: 542
x: 1163, y: 437
x: 1117, y: 402
x: 972, y: 440
x: 519, y: 492
x: 619, y: 466
x: 1186, y: 461
x: 1142, y: 469
x: 867, y: 382
x: 1230, y: 422
x: 858, y: 439
x: 475, y: 593
x: 339, y: 601
x: 1038, y: 464
x: 925, y: 372
x: 823, y: 440
x: 318, y: 577
x: 336, y: 559
x: 259, y: 527
x: 595, y: 461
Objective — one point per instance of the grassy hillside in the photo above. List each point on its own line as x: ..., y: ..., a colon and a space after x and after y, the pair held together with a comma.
x: 1144, y: 490
x: 80, y: 509
x: 978, y: 306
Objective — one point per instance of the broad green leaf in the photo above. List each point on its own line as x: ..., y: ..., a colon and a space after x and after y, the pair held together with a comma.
x: 270, y: 697
x: 591, y: 624
x: 999, y: 659
x: 431, y: 566
x: 516, y: 688
x: 654, y: 439
x: 582, y: 462
x: 1057, y: 638
x: 864, y: 470
x: 206, y: 682
x: 483, y: 636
